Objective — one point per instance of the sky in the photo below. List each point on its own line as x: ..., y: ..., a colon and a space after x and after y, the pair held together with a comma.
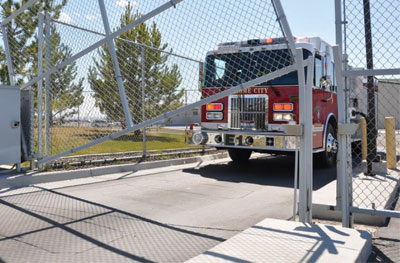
x: 321, y: 23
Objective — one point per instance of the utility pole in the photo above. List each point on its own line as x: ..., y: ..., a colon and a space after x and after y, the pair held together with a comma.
x: 371, y: 122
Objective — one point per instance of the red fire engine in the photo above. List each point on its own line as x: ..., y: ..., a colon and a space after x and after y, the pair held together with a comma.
x: 251, y: 120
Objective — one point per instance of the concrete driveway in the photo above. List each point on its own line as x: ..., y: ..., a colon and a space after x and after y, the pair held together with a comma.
x: 155, y: 216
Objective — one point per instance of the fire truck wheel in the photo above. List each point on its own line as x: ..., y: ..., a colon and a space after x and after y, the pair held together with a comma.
x: 328, y: 157
x: 239, y: 155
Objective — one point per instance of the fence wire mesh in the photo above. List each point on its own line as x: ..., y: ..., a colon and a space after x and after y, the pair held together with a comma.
x: 371, y: 34
x: 85, y: 97
x: 91, y: 86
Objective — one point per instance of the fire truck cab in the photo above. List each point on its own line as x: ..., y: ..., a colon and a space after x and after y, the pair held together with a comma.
x: 252, y: 120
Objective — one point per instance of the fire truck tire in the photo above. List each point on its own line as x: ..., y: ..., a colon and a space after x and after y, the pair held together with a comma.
x: 239, y: 155
x: 327, y: 158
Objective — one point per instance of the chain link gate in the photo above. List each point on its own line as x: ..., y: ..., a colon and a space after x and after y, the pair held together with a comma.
x: 135, y: 63
x: 368, y: 33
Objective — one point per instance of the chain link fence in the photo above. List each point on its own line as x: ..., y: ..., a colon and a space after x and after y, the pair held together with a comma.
x: 372, y: 63
x: 101, y: 69
x: 103, y: 72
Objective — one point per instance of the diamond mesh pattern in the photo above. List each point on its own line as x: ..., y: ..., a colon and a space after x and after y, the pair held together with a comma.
x: 371, y: 34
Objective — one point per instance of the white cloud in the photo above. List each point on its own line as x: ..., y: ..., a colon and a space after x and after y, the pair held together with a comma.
x: 123, y: 3
x: 90, y: 17
x: 64, y: 17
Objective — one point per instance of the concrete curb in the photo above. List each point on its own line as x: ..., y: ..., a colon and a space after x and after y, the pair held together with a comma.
x: 273, y: 240
x: 23, y: 180
x: 328, y: 210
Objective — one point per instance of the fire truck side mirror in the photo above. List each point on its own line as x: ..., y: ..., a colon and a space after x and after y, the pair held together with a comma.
x: 324, y: 82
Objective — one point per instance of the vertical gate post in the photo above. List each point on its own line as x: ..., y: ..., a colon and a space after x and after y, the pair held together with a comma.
x: 339, y: 41
x: 306, y: 161
x: 40, y: 91
x: 143, y: 55
x: 118, y: 76
x: 308, y: 137
x: 305, y: 112
x: 343, y: 148
x: 47, y: 87
x: 296, y: 174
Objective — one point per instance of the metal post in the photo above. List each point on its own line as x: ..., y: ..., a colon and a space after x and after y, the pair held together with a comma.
x: 47, y: 117
x: 308, y: 131
x: 371, y: 122
x: 79, y: 116
x: 338, y: 23
x: 390, y: 143
x: 296, y: 174
x: 305, y: 101
x: 40, y: 91
x: 342, y: 152
x: 118, y: 76
x: 186, y: 103
x: 339, y: 42
x: 143, y: 97
x: 364, y: 143
x: 32, y: 130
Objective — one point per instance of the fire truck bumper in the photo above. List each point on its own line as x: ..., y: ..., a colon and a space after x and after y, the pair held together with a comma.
x: 238, y: 139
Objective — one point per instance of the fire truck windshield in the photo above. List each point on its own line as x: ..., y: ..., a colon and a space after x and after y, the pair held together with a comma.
x: 228, y: 70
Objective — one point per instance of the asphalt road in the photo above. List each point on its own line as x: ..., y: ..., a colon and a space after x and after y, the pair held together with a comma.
x: 163, y: 217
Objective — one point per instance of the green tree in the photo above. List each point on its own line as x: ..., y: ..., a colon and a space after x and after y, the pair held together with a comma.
x: 161, y: 80
x: 3, y: 67
x: 21, y: 31
x: 66, y: 89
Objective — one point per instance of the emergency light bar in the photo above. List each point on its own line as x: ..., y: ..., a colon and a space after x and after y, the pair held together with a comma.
x: 255, y: 42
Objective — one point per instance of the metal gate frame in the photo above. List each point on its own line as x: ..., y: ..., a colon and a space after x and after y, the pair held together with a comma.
x: 344, y: 166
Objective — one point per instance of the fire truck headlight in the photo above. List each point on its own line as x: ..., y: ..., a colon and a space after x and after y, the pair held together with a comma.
x: 287, y: 117
x: 283, y: 116
x: 199, y: 138
x: 214, y: 116
x: 278, y: 116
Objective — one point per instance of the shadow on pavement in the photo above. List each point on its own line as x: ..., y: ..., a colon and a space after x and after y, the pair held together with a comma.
x: 269, y: 170
x: 60, y: 227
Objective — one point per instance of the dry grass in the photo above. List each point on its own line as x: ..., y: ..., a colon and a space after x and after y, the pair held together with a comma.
x: 65, y: 138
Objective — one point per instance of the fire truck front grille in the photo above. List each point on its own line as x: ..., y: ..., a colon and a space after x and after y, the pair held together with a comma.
x: 248, y: 111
